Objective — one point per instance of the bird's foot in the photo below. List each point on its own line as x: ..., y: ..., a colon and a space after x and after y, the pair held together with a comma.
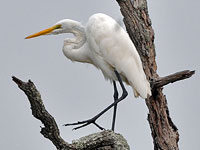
x: 84, y: 123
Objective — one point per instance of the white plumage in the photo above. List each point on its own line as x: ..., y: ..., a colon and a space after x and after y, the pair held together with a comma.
x: 106, y: 45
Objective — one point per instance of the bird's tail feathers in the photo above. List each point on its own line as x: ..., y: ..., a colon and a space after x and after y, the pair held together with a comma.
x: 144, y: 91
x: 136, y: 94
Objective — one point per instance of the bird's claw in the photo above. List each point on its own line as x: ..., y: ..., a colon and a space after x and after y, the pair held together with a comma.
x: 84, y: 123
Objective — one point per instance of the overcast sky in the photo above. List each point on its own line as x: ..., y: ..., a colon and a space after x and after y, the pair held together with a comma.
x: 75, y: 91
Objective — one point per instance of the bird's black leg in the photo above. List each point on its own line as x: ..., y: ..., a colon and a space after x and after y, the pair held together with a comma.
x: 115, y: 106
x: 92, y: 120
x: 124, y: 92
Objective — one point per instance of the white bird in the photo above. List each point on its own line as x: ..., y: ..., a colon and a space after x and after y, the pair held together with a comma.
x: 106, y: 45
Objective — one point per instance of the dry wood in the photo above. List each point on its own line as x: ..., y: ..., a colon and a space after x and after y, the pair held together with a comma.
x: 105, y: 140
x: 162, y: 81
x: 138, y: 24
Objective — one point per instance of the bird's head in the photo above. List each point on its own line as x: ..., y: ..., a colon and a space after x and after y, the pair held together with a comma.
x: 62, y: 26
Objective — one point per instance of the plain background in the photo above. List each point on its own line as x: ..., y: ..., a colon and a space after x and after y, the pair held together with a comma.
x: 75, y: 91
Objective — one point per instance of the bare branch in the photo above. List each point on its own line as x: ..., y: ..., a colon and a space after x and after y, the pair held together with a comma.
x: 50, y: 130
x: 162, y: 81
x: 105, y: 140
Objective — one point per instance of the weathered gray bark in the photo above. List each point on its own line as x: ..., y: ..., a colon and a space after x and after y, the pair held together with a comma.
x: 138, y: 24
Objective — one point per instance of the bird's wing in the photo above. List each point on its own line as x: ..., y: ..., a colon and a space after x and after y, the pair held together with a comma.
x: 112, y: 43
x: 109, y: 40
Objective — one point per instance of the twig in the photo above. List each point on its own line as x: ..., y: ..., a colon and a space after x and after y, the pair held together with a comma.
x: 162, y: 81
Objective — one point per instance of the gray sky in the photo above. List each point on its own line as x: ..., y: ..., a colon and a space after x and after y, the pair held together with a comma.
x: 75, y: 91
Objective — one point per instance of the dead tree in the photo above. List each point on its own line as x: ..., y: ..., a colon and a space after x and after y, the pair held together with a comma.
x: 138, y: 24
x: 164, y: 132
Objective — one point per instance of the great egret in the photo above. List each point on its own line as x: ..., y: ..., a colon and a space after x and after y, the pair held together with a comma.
x: 106, y: 45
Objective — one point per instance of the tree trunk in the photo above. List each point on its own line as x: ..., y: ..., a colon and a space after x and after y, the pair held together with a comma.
x: 138, y: 24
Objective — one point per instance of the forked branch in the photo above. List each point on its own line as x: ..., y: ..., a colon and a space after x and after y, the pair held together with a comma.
x: 105, y: 140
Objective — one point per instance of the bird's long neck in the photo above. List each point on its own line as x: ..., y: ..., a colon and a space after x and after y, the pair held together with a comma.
x: 74, y: 48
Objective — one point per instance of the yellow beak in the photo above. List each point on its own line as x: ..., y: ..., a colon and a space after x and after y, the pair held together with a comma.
x: 44, y: 32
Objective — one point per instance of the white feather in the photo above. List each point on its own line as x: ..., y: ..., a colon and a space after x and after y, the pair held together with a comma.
x: 111, y: 48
